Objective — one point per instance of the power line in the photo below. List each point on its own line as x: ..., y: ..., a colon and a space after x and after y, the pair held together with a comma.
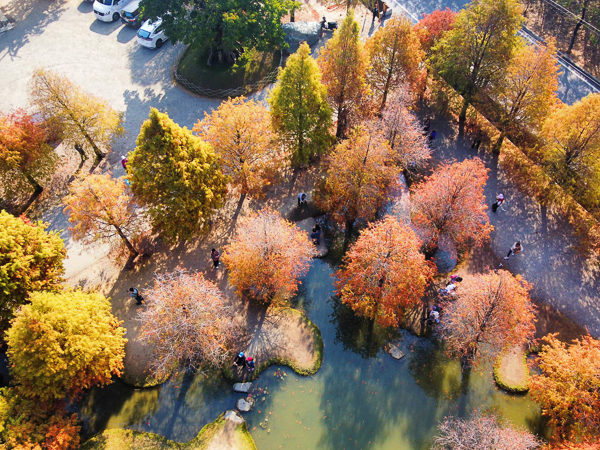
x: 565, y: 11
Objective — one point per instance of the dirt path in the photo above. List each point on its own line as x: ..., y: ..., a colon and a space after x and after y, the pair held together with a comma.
x: 273, y: 335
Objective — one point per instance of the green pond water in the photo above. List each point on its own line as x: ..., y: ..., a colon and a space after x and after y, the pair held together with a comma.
x: 361, y: 398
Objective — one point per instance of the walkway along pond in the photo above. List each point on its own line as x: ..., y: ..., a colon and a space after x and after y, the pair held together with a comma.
x: 361, y: 398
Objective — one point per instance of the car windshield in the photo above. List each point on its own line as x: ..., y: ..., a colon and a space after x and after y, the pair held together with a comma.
x: 105, y: 2
x: 143, y: 34
x: 127, y: 15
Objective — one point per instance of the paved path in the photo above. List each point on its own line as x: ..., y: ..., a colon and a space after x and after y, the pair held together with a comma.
x: 560, y: 275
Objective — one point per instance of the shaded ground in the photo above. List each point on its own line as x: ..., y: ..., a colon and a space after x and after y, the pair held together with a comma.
x: 561, y: 276
x: 219, y: 435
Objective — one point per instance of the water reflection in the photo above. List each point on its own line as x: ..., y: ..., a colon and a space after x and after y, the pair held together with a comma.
x: 361, y: 397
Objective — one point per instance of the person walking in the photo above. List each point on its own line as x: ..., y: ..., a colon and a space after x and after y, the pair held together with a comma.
x: 375, y: 12
x: 134, y: 293
x: 302, y: 199
x: 432, y: 135
x: 498, y: 203
x: 515, y: 249
x: 124, y: 162
x: 214, y: 255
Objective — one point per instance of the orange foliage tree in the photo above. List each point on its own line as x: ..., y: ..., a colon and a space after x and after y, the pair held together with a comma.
x: 491, y: 311
x: 432, y: 27
x: 565, y: 445
x: 343, y: 63
x: 395, y: 57
x: 267, y: 257
x: 102, y: 208
x: 383, y: 273
x: 188, y: 321
x: 241, y: 135
x: 357, y: 178
x: 402, y: 129
x: 451, y: 202
x: 24, y: 152
x: 568, y: 388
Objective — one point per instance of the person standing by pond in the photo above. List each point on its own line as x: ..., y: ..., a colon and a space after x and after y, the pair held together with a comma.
x: 240, y: 360
x: 515, y: 249
x: 214, y: 255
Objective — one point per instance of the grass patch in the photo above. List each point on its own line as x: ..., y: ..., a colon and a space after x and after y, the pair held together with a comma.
x: 117, y: 439
x: 250, y: 68
x: 504, y: 384
x: 230, y: 375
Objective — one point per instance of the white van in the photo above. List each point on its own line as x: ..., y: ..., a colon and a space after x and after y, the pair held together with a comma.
x: 109, y: 10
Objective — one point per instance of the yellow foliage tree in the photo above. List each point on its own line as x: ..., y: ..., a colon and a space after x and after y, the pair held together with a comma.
x: 344, y: 63
x: 63, y: 343
x: 267, y: 257
x: 86, y: 120
x: 572, y: 148
x: 527, y: 92
x: 395, y: 55
x: 241, y: 135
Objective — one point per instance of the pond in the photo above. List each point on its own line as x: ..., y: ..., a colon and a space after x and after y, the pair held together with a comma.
x: 361, y: 398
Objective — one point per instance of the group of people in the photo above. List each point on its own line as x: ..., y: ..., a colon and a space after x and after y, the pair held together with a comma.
x: 242, y: 361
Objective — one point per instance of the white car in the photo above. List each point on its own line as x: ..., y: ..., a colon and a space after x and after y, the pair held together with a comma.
x: 109, y: 10
x: 151, y: 34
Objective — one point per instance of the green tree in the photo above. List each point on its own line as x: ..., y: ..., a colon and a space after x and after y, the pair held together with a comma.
x: 395, y: 55
x: 63, y: 343
x: 24, y: 152
x: 300, y: 113
x: 176, y: 176
x: 223, y: 27
x: 31, y: 259
x: 527, y: 91
x: 475, y: 52
x: 344, y: 63
x: 87, y: 121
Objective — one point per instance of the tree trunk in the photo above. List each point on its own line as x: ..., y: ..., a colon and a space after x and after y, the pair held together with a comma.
x: 498, y: 144
x: 130, y: 247
x: 462, y: 118
x: 348, y: 233
x: 578, y: 26
x: 37, y: 190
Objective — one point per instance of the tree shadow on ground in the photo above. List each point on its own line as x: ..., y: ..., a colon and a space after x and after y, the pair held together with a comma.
x: 31, y: 17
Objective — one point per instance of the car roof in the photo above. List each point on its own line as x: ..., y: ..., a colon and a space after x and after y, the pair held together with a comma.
x: 132, y: 6
x: 148, y: 25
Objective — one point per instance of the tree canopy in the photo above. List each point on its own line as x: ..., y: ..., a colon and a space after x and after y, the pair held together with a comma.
x: 299, y: 110
x: 267, y: 257
x: 383, y: 273
x: 176, y: 176
x: 432, y: 27
x: 188, y: 322
x: 240, y: 133
x: 23, y: 152
x: 478, y: 47
x: 223, y: 26
x: 527, y: 92
x: 63, y: 343
x: 102, y: 208
x: 394, y: 56
x: 492, y: 310
x: 568, y: 388
x: 86, y: 121
x: 343, y: 63
x: 451, y: 202
x: 357, y: 177
x: 572, y: 148
x: 31, y: 259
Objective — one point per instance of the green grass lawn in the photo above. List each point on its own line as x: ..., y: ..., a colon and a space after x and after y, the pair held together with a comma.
x: 251, y: 67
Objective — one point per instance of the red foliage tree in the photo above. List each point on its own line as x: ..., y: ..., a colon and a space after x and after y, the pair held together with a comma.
x: 383, y: 273
x: 432, y: 27
x: 451, y: 202
x: 492, y: 310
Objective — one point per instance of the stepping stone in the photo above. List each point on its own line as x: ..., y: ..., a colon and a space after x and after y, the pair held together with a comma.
x: 394, y: 351
x: 244, y: 388
x: 245, y: 404
x: 233, y: 416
